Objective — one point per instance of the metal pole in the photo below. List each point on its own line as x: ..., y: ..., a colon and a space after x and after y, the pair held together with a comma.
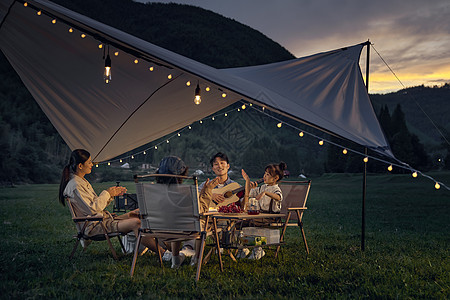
x: 363, y: 213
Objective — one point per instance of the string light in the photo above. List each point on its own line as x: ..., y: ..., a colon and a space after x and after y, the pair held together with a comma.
x: 188, y: 83
x: 39, y: 13
x: 279, y: 125
x: 213, y: 118
x: 145, y: 153
x: 54, y: 21
x: 301, y: 134
x: 437, y: 186
x: 243, y: 106
x: 197, y: 97
x: 224, y: 95
x: 169, y: 76
x: 190, y: 127
x: 120, y: 160
x: 179, y: 134
x: 151, y: 69
x: 109, y: 163
x: 116, y: 53
x: 83, y: 35
x: 136, y: 61
x: 96, y: 165
x: 321, y: 142
x: 132, y: 156
x: 414, y: 174
x: 107, y: 73
x: 208, y: 89
x: 344, y: 151
x: 390, y: 168
x: 25, y: 4
x: 366, y: 159
x: 226, y: 115
x: 100, y: 46
x: 70, y: 29
x: 167, y: 141
x: 156, y: 147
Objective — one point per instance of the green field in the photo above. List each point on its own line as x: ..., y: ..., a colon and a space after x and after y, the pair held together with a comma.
x: 407, y: 250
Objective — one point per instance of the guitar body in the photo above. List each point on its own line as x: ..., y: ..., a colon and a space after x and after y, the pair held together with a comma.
x: 229, y: 194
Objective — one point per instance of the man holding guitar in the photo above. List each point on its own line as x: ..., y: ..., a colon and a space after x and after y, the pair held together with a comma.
x: 220, y: 166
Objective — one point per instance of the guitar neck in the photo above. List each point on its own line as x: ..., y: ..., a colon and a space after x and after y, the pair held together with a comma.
x: 242, y: 188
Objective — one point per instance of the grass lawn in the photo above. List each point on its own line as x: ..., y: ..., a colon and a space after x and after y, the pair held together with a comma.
x: 407, y: 250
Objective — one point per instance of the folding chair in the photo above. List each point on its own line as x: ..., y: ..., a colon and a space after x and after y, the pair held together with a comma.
x: 295, y: 194
x: 170, y: 213
x: 81, y: 224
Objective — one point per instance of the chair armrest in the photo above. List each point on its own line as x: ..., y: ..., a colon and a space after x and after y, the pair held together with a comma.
x: 297, y: 208
x: 84, y: 219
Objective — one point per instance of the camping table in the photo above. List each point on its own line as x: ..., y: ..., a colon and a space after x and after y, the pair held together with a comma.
x: 232, y: 219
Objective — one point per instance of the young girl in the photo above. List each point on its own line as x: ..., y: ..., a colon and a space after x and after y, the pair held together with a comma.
x: 268, y: 195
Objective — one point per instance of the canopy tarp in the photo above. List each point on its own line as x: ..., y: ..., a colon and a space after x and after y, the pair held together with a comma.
x: 64, y: 73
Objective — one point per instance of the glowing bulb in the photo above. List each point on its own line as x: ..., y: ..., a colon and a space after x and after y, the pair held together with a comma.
x: 156, y: 147
x: 238, y: 109
x: 301, y: 134
x: 251, y: 104
x: 96, y: 165
x: 226, y: 115
x: 321, y: 142
x: 224, y: 95
x: 179, y: 134
x: 190, y: 127
x: 136, y: 61
x: 116, y: 53
x: 263, y: 108
x: 366, y: 159
x: 437, y: 186
x: 145, y: 153
x: 54, y: 21
x: 208, y: 89
x: 213, y: 118
x: 120, y: 160
x: 100, y: 46
x: 151, y: 69
x: 197, y: 97
x: 243, y: 106
x: 83, y: 35
x: 279, y: 125
x: 167, y: 141
x: 109, y: 163
x: 390, y: 168
x: 169, y: 76
x: 107, y: 73
x: 344, y: 151
x: 188, y: 83
x: 414, y: 174
x: 39, y: 13
x: 70, y: 29
x: 201, y: 122
x: 132, y: 156
x: 25, y: 4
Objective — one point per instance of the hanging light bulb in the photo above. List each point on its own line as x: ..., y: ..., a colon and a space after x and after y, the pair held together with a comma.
x: 82, y: 35
x: 179, y: 134
x: 145, y: 153
x: 188, y: 83
x: 96, y: 165
x: 151, y: 69
x: 70, y: 29
x: 243, y: 106
x: 54, y: 21
x: 224, y: 95
x: 167, y: 141
x: 132, y: 156
x: 208, y: 89
x: 116, y: 53
x: 301, y: 134
x: 390, y: 168
x: 156, y: 147
x: 437, y: 186
x: 279, y: 125
x: 321, y: 142
x: 197, y: 98
x: 136, y: 61
x: 414, y: 174
x: 366, y: 159
x: 109, y: 163
x: 344, y: 151
x: 39, y: 13
x: 226, y: 115
x: 213, y: 118
x: 107, y: 73
x: 120, y: 160
x: 190, y: 127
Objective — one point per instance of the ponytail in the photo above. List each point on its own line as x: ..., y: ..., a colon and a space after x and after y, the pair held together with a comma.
x: 78, y: 156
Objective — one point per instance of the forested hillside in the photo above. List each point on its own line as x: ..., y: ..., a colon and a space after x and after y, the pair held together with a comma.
x: 32, y: 150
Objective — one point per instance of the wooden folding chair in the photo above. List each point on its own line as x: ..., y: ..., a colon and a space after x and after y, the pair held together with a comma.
x: 295, y: 194
x: 170, y: 213
x: 81, y: 224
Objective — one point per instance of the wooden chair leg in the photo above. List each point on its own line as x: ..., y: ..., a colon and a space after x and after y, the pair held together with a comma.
x: 109, y: 241
x: 200, y: 257
x: 282, y: 233
x: 216, y: 235
x: 136, y: 250
x: 208, y: 256
x: 300, y: 224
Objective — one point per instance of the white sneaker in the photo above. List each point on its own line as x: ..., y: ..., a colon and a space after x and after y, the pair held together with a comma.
x: 194, y: 261
x: 243, y: 253
x: 167, y: 256
x: 188, y: 252
x: 257, y: 253
x: 177, y: 260
x: 84, y: 243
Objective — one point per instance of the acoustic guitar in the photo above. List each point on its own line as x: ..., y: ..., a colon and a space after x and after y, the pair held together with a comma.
x: 232, y: 193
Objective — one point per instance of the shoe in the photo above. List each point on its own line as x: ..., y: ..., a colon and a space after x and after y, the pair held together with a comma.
x: 167, y: 256
x: 84, y: 243
x: 194, y: 261
x: 243, y: 253
x: 188, y: 252
x: 177, y: 260
x: 257, y: 253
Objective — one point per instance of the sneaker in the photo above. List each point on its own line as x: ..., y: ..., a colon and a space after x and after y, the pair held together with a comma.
x: 167, y: 256
x: 243, y: 253
x: 194, y: 261
x: 187, y: 252
x: 84, y: 243
x: 177, y: 260
x: 257, y: 253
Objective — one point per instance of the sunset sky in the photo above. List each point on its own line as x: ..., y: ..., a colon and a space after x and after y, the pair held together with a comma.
x: 412, y: 36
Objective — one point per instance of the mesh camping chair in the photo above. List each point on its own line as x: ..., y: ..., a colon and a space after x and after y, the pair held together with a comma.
x: 81, y: 224
x: 295, y: 194
x: 170, y: 213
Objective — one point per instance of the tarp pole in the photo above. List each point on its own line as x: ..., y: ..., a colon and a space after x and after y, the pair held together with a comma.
x: 363, y: 212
